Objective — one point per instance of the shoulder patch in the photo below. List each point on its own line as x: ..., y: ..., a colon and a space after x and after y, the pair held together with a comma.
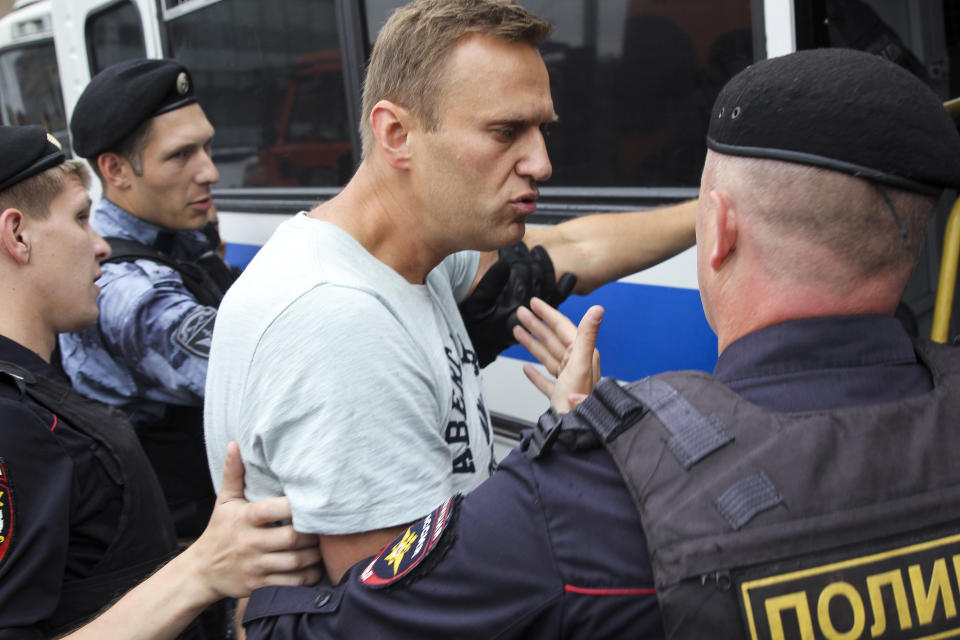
x: 195, y: 332
x: 7, y: 513
x: 409, y: 551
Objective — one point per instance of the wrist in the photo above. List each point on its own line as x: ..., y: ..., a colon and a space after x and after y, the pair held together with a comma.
x: 192, y: 580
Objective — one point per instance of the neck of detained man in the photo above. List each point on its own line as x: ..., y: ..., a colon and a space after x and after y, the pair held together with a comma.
x: 376, y: 210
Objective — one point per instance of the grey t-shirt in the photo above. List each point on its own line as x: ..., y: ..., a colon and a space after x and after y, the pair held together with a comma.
x: 350, y: 390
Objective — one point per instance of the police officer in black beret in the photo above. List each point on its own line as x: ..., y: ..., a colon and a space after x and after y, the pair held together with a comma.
x: 140, y: 126
x: 808, y: 489
x: 82, y: 517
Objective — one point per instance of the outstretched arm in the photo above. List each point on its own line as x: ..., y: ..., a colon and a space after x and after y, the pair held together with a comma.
x: 576, y: 256
x: 239, y: 551
x: 603, y: 247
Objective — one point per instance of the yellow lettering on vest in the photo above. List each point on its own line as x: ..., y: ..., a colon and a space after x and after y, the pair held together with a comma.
x: 893, y: 579
x: 926, y: 599
x: 796, y: 601
x: 843, y: 590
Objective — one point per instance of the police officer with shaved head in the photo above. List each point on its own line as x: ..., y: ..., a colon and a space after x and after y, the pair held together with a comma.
x: 140, y: 126
x: 807, y: 489
x: 82, y: 517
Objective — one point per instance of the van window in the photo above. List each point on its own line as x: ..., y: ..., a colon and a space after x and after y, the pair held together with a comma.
x: 922, y: 37
x: 633, y: 82
x: 269, y: 76
x: 30, y: 89
x: 113, y: 35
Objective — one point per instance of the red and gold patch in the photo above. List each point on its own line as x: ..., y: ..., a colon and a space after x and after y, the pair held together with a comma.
x: 408, y: 551
x: 6, y: 512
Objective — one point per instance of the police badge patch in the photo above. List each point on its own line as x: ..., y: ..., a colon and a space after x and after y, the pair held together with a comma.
x: 410, y: 549
x: 196, y: 331
x: 7, y: 513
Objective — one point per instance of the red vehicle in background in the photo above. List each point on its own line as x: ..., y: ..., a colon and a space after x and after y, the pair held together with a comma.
x: 312, y: 147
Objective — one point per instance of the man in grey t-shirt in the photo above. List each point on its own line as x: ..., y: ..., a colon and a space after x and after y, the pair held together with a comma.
x: 455, y: 101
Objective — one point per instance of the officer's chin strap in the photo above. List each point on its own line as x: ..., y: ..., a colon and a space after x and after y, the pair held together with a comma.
x: 893, y: 209
x: 946, y: 200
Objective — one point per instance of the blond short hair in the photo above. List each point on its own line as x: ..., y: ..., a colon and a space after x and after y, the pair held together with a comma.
x: 408, y: 60
x: 847, y: 216
x: 34, y: 195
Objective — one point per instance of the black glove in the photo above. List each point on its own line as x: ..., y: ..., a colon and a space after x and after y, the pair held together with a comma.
x: 490, y: 312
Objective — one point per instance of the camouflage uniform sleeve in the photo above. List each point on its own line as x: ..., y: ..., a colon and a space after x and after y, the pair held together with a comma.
x: 156, y: 328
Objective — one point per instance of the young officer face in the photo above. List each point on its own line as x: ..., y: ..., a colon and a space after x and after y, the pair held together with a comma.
x: 67, y: 252
x: 174, y: 188
x: 478, y: 172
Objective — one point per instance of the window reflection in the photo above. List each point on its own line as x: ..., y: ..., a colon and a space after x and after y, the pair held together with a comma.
x: 114, y: 35
x: 277, y: 101
x: 30, y: 89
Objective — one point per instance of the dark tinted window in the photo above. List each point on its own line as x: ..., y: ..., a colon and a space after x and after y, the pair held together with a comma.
x: 30, y: 89
x: 633, y: 82
x: 269, y: 76
x: 923, y: 37
x: 113, y: 35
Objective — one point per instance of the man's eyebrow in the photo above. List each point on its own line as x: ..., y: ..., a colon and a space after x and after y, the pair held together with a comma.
x: 516, y: 120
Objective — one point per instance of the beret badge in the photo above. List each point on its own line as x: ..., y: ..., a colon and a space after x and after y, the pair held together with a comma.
x: 183, y: 83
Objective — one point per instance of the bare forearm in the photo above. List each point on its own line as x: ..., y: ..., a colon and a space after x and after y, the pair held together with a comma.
x: 604, y: 247
x: 158, y: 608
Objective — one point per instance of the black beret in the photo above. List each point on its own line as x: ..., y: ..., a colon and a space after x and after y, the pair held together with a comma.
x: 25, y: 152
x: 843, y: 110
x: 122, y: 97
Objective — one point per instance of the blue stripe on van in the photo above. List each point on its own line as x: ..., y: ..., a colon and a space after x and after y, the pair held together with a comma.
x: 645, y: 330
x: 240, y: 255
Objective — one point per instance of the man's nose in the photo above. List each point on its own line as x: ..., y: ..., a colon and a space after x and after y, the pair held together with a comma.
x: 536, y: 162
x: 208, y: 172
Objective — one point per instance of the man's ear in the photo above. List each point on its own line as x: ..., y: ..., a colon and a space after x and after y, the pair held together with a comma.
x: 12, y: 237
x: 725, y: 218
x: 115, y: 169
x: 390, y: 123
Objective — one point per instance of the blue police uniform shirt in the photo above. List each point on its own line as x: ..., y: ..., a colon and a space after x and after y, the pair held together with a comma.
x: 60, y: 503
x: 554, y: 547
x: 150, y: 345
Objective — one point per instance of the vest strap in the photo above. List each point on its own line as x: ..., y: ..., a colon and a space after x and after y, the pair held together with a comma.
x: 544, y: 434
x: 695, y: 436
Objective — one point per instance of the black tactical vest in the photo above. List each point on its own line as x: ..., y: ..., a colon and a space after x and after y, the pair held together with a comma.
x: 174, y: 443
x: 207, y: 278
x: 826, y: 524
x: 144, y: 537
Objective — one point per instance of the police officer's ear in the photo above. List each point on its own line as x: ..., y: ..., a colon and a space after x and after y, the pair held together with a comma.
x: 115, y: 169
x: 725, y: 223
x: 12, y: 238
x: 391, y: 128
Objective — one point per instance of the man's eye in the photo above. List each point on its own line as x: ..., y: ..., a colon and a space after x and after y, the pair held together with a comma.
x: 506, y: 133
